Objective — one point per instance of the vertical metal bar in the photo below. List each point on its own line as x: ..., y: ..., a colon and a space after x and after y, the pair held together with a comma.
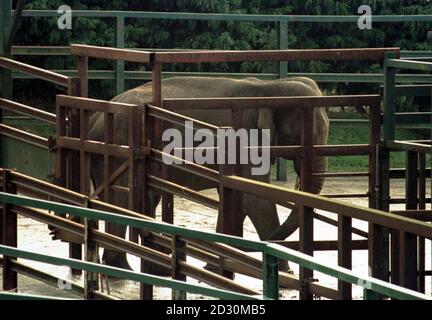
x: 90, y: 255
x: 9, y: 235
x: 152, y: 136
x: 306, y: 213
x: 119, y: 64
x: 283, y: 44
x: 84, y: 156
x: 91, y: 252
x: 146, y: 291
x: 230, y: 206
x: 281, y: 164
x: 345, y: 254
x: 135, y: 171
x: 378, y: 236
x: 378, y: 239
x: 82, y: 67
x: 374, y: 141
x: 108, y: 167
x: 389, y: 100
x: 178, y: 254
x: 5, y: 26
x: 408, y: 241
x: 60, y: 163
x: 421, y: 246
x: 270, y: 276
x: 167, y: 198
x: 5, y: 74
x: 74, y: 173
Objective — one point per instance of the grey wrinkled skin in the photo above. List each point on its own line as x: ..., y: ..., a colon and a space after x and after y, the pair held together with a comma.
x: 285, y: 125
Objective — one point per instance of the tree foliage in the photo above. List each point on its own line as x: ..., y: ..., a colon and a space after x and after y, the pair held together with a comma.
x: 198, y: 34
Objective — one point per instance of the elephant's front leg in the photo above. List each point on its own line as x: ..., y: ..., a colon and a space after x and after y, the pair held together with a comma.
x: 112, y: 257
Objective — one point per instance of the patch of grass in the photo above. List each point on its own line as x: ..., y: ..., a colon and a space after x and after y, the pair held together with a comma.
x: 32, y: 126
x: 359, y: 135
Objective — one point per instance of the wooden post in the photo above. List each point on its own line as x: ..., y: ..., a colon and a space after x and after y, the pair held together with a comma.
x: 421, y: 247
x: 9, y: 235
x: 345, y: 254
x: 306, y: 213
x: 408, y: 241
x: 178, y: 254
x: 82, y: 66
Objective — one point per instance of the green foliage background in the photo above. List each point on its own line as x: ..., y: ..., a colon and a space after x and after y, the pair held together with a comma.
x: 226, y: 35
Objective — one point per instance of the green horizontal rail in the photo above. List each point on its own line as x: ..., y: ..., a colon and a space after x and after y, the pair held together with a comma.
x: 130, y: 221
x: 319, y: 77
x: 408, y: 64
x: 123, y: 274
x: 346, y: 275
x: 267, y: 249
x: 226, y: 17
x: 65, y: 51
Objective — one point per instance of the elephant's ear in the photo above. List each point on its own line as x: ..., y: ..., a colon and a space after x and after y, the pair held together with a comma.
x: 266, y: 121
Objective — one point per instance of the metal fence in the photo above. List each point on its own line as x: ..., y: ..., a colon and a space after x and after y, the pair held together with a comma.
x: 281, y: 23
x: 271, y: 253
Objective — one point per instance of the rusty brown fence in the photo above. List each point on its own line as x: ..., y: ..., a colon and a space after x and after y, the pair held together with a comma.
x: 230, y: 203
x: 11, y: 106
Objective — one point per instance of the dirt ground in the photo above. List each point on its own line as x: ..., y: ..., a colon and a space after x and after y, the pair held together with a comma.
x: 34, y: 236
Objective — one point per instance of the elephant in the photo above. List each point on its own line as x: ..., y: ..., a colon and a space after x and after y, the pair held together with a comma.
x: 285, y: 125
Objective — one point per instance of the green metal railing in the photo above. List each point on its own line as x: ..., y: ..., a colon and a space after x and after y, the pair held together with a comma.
x: 282, y: 22
x: 271, y: 254
x: 391, y: 67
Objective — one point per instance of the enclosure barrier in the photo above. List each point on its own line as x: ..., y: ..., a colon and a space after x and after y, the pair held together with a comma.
x: 270, y: 254
x: 407, y: 255
x: 233, y: 260
x: 208, y: 173
x: 182, y: 57
x: 232, y: 226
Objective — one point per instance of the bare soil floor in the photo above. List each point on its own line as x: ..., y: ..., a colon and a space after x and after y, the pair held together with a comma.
x: 34, y: 236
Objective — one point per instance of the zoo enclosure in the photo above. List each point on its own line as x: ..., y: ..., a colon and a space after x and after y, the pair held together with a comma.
x: 83, y: 84
x: 356, y: 17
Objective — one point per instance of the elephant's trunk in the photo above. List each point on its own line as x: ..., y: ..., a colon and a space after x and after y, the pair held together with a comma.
x: 321, y: 130
x: 291, y: 224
